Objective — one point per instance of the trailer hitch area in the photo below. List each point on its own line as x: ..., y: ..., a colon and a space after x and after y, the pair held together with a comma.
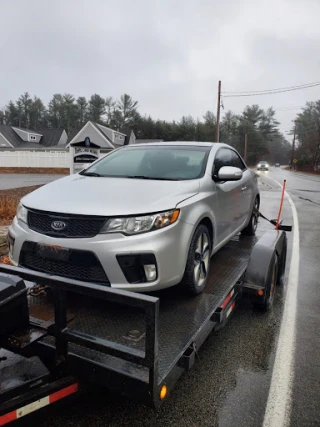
x: 274, y: 222
x: 278, y: 224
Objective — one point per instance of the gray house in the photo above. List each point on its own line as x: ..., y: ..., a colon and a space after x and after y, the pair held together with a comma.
x: 106, y: 138
x: 17, y: 138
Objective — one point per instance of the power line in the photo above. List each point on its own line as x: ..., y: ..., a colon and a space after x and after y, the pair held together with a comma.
x: 268, y: 92
x: 272, y: 90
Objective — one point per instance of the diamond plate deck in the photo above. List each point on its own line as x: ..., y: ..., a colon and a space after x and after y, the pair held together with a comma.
x: 180, y: 317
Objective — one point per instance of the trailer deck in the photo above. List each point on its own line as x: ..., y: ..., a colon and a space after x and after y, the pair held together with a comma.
x: 131, y: 343
x: 180, y: 317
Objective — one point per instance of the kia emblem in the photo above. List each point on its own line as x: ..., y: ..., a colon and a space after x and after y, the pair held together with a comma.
x: 58, y: 225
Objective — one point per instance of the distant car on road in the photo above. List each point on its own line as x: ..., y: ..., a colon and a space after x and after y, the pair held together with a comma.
x: 263, y: 166
x: 277, y: 165
x: 142, y: 218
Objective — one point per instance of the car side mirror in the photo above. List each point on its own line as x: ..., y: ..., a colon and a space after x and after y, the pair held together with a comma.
x: 229, y: 173
x: 86, y: 166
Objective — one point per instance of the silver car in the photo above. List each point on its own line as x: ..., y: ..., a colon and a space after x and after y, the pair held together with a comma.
x: 142, y: 218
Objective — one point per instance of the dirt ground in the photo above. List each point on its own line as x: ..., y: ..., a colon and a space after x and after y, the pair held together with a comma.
x: 9, y: 200
x: 5, y: 260
x: 47, y: 171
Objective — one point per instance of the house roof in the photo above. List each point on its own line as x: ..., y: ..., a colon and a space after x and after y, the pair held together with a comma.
x: 72, y: 133
x: 99, y: 129
x: 103, y: 129
x: 34, y: 132
x: 106, y: 134
x: 50, y: 137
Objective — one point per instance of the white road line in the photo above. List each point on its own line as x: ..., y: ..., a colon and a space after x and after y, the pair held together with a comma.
x: 278, y: 409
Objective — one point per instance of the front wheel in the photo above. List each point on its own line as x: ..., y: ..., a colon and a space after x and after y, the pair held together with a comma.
x: 197, y: 269
x: 251, y: 228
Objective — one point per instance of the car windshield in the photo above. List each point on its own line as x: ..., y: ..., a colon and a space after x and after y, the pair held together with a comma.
x: 153, y: 162
x: 263, y: 163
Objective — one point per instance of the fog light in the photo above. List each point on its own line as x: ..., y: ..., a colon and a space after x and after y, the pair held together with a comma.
x: 150, y: 271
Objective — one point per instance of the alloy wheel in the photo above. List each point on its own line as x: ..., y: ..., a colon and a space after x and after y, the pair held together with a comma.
x: 201, y: 259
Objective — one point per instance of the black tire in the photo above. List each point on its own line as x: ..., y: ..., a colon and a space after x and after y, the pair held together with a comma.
x: 251, y: 228
x: 270, y: 287
x: 194, y: 280
x: 282, y: 262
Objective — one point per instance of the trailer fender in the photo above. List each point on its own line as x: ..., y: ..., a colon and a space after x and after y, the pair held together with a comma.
x: 272, y: 242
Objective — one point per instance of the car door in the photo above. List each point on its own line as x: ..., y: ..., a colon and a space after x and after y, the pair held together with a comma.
x: 229, y: 208
x: 247, y: 185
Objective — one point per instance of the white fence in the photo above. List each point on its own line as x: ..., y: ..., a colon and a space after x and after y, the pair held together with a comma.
x: 35, y: 159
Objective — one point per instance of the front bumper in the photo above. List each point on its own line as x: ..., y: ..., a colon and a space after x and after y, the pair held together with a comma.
x: 168, y: 246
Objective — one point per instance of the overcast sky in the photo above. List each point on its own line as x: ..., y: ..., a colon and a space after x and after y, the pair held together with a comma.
x: 167, y: 54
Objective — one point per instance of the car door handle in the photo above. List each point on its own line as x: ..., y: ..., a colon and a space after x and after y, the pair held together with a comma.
x: 243, y: 188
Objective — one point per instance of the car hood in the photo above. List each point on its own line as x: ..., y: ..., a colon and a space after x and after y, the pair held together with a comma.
x: 77, y: 194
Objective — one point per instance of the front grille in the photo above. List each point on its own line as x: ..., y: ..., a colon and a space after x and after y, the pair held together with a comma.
x: 76, y: 226
x: 81, y: 265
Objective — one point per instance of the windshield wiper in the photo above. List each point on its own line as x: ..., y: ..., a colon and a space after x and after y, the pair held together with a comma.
x: 151, y: 178
x: 90, y: 174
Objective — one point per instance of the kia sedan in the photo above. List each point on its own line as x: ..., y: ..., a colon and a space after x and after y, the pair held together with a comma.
x: 142, y: 218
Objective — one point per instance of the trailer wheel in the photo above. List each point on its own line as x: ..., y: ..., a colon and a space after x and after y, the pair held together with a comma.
x: 271, y: 282
x: 198, y: 263
x: 251, y: 228
x: 282, y: 262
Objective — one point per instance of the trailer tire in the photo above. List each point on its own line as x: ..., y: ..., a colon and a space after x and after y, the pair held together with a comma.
x: 251, y: 228
x: 270, y: 286
x: 282, y: 262
x: 198, y: 262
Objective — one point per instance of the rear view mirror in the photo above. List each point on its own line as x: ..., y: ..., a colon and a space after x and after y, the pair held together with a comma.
x: 229, y: 173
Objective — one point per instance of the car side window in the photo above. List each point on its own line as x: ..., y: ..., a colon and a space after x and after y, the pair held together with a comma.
x: 227, y: 157
x: 237, y: 161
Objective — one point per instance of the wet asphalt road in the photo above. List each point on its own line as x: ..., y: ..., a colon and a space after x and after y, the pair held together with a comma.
x: 229, y: 383
x: 305, y: 192
x: 8, y: 181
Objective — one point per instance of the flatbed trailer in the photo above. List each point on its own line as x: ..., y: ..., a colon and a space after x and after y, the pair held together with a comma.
x: 131, y: 343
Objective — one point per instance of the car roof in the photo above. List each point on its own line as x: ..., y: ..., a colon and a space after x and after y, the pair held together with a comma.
x: 185, y: 143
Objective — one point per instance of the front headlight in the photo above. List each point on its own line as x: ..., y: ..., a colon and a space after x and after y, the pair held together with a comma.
x: 259, y: 165
x: 22, y: 213
x: 140, y: 224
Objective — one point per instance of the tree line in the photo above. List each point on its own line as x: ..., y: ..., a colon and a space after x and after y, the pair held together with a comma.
x: 307, y: 126
x: 265, y: 141
x: 67, y: 112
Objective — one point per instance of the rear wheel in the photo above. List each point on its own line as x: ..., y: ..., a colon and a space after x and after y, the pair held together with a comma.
x: 282, y: 262
x: 198, y: 262
x: 251, y: 228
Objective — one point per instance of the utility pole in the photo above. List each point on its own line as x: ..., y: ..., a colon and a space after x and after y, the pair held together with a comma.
x: 245, y: 146
x: 218, y: 111
x: 293, y: 143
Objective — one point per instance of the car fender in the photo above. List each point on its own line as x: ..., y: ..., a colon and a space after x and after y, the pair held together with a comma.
x: 194, y: 213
